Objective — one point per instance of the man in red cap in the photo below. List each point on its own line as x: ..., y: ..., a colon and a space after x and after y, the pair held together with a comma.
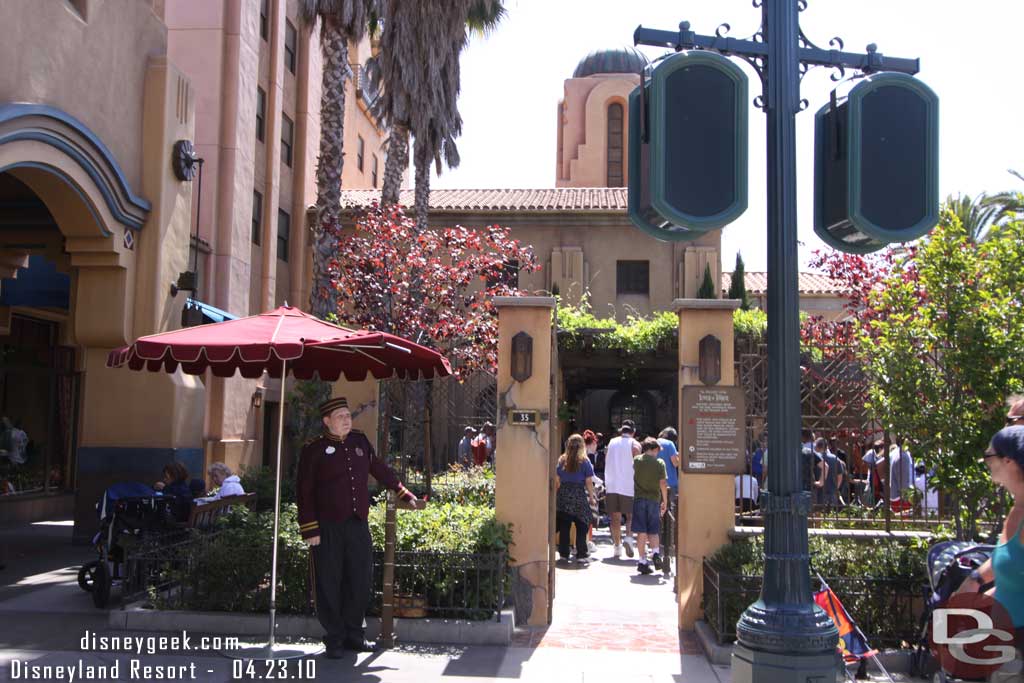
x: 332, y: 490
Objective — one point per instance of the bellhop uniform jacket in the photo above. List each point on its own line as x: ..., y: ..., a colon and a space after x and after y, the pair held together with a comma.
x: 333, y: 478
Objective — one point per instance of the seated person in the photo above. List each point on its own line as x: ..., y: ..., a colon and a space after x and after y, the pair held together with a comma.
x: 175, y: 483
x: 229, y: 483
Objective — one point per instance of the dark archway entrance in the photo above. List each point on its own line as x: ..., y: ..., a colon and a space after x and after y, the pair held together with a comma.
x: 39, y: 382
x: 602, y: 388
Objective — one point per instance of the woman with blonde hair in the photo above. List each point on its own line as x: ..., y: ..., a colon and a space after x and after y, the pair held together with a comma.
x: 574, y: 497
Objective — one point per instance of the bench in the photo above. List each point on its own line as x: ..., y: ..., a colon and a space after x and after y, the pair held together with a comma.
x: 204, y: 515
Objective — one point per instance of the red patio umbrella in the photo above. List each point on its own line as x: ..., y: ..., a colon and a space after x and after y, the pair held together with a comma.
x: 278, y: 342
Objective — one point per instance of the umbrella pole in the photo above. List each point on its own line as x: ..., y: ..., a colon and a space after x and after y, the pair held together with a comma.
x: 277, y: 509
x: 271, y: 650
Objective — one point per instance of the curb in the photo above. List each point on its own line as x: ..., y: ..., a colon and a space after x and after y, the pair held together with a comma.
x: 134, y: 617
x: 716, y: 654
x: 895, y: 661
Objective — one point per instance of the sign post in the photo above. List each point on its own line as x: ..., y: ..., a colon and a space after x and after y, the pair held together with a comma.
x: 784, y: 636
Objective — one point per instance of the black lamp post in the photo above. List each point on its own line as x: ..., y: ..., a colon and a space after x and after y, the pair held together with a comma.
x: 783, y: 636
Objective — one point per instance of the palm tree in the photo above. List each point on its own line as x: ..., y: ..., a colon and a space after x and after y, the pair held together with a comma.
x: 977, y: 214
x: 340, y: 22
x: 1009, y: 204
x: 418, y: 66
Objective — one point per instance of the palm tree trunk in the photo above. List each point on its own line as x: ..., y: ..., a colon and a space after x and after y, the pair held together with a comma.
x: 395, y: 164
x: 328, y: 170
x: 422, y: 162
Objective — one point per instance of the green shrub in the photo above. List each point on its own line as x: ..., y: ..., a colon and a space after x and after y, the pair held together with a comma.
x: 444, y: 528
x: 446, y: 579
x: 878, y: 581
x: 464, y: 486
x: 637, y: 335
x: 231, y: 570
x: 750, y: 324
x: 260, y: 480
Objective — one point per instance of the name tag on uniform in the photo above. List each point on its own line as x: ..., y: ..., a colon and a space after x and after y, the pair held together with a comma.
x: 359, y: 452
x: 329, y: 450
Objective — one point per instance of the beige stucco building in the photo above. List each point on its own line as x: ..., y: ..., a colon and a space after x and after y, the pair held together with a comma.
x: 96, y: 225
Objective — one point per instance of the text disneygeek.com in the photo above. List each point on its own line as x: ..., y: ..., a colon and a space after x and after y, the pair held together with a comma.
x: 140, y: 667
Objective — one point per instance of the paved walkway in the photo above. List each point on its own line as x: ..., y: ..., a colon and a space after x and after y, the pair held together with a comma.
x: 610, y: 625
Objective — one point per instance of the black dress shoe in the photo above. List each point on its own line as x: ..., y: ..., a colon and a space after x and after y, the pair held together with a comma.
x: 360, y: 645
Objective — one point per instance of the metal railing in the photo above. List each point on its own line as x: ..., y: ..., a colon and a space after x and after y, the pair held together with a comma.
x: 886, y: 609
x: 445, y: 584
x: 440, y: 584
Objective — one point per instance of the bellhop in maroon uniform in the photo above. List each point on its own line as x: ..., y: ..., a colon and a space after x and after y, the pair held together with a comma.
x: 333, y: 499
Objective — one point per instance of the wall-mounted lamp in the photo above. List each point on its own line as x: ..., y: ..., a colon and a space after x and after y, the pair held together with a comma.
x: 522, y: 357
x: 188, y: 281
x: 257, y: 398
x: 710, y: 364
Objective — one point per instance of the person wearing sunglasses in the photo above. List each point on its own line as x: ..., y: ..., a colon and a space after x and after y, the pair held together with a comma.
x: 1005, y: 461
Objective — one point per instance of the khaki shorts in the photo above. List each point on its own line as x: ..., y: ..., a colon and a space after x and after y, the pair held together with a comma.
x: 616, y: 502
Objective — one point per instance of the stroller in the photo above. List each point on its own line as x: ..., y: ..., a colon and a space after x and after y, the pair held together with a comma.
x: 949, y: 565
x: 130, y: 514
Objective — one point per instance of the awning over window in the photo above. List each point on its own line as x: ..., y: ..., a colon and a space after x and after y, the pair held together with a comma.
x: 210, y: 313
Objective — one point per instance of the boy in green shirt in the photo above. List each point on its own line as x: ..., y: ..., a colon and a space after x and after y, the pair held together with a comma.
x: 650, y: 500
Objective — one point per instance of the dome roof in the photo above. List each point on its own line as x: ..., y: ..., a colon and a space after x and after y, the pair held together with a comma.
x: 620, y: 60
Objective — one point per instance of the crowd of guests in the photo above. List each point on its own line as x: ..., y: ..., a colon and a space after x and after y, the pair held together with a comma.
x: 639, y: 483
x: 477, y: 446
x: 836, y: 479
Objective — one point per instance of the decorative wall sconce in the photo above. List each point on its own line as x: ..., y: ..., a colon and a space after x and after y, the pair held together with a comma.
x: 710, y: 364
x: 522, y: 357
x: 257, y: 398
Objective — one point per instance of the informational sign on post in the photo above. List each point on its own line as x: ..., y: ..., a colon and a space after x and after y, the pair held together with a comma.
x: 713, y: 434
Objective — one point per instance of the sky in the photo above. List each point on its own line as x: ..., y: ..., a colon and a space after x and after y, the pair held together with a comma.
x: 512, y: 81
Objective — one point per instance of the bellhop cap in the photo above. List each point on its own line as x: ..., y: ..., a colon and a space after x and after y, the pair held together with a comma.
x: 329, y: 406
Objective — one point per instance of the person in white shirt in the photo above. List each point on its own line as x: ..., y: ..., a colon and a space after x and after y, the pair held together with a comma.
x: 229, y: 483
x: 618, y: 482
x: 747, y: 492
x: 929, y: 495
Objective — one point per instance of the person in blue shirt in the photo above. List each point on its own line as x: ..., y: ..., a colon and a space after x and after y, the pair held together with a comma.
x: 757, y: 462
x: 670, y: 456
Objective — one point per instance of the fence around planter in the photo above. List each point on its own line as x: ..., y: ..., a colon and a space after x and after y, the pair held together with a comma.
x: 886, y: 609
x: 428, y: 583
x: 450, y: 585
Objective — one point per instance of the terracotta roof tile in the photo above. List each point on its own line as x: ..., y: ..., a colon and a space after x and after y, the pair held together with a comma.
x: 556, y: 199
x: 809, y: 283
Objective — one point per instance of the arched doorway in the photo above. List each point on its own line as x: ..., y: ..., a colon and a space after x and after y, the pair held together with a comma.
x: 77, y: 281
x: 637, y: 406
x: 39, y: 380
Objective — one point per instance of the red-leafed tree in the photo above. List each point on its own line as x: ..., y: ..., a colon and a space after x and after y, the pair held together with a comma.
x: 434, y: 287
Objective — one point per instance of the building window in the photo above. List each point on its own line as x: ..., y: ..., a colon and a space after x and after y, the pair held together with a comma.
x: 257, y: 217
x: 360, y: 147
x: 261, y: 114
x: 615, y: 155
x: 291, y: 39
x: 373, y: 171
x: 287, y: 136
x: 264, y: 20
x: 284, y: 231
x: 632, y: 277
